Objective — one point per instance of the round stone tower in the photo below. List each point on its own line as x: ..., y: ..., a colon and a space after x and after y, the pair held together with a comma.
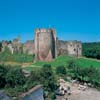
x: 45, y: 44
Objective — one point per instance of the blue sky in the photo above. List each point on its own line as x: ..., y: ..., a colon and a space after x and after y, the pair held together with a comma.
x: 72, y: 19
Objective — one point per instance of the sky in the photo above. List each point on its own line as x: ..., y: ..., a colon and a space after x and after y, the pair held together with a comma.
x: 72, y: 19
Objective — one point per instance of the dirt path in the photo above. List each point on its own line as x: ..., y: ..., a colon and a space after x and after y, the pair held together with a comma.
x: 76, y: 94
x: 88, y: 94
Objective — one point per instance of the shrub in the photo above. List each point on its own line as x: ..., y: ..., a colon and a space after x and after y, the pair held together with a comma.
x: 71, y: 64
x: 15, y: 77
x: 3, y: 71
x: 52, y: 96
x: 61, y: 70
x: 48, y: 79
x: 87, y: 74
x: 33, y: 79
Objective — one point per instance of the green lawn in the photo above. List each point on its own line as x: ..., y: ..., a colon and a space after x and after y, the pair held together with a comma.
x: 87, y: 62
x: 63, y: 60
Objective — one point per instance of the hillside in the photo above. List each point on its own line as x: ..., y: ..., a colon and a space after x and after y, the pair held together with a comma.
x: 64, y: 60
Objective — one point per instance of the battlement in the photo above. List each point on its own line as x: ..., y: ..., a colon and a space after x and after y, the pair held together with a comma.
x: 42, y: 30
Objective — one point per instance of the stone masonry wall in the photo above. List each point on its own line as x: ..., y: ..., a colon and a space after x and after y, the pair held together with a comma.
x: 45, y: 44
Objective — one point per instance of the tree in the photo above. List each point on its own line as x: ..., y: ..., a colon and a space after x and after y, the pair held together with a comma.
x: 91, y: 50
x: 48, y: 80
x: 61, y: 70
x: 15, y: 77
x: 33, y: 79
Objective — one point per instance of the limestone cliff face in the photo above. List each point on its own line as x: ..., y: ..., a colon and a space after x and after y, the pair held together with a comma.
x: 45, y: 44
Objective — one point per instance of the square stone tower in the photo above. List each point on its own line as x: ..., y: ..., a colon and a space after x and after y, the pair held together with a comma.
x: 45, y: 44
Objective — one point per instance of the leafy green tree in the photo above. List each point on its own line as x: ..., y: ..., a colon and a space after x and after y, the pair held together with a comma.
x: 91, y: 50
x: 15, y: 77
x: 61, y: 70
x: 48, y: 78
x: 33, y: 79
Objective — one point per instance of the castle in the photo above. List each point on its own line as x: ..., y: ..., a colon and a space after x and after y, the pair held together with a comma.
x: 71, y: 48
x: 14, y: 46
x: 45, y: 46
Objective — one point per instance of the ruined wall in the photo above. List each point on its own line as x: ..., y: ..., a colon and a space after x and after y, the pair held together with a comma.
x: 62, y: 47
x: 45, y: 44
x: 28, y: 47
x: 7, y: 45
x: 74, y: 48
x: 16, y: 44
x: 13, y: 46
x: 71, y: 48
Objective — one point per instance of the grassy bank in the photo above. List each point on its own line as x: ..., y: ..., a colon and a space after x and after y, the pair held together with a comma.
x: 64, y: 60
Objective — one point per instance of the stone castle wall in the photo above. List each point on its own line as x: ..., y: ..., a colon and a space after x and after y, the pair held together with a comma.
x: 71, y: 48
x: 28, y: 47
x: 45, y: 44
x: 74, y: 48
x: 13, y: 46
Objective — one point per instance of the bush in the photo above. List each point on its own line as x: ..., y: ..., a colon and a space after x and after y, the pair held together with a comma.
x: 16, y: 83
x: 87, y: 74
x: 33, y: 80
x: 3, y: 71
x: 71, y: 64
x: 61, y: 70
x: 48, y: 79
x: 15, y: 77
x: 52, y: 96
